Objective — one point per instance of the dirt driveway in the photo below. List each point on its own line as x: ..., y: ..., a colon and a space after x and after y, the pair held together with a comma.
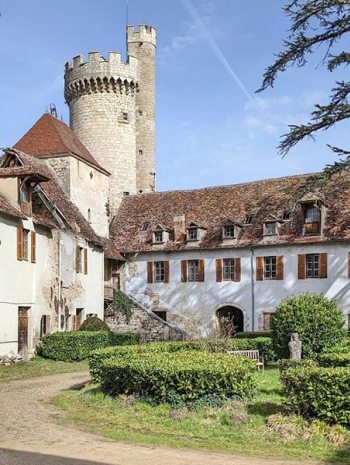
x: 30, y: 435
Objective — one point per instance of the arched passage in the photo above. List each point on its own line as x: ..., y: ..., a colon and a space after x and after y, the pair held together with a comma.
x: 230, y: 320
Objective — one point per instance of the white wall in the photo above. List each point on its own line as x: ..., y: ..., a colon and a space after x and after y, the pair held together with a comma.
x: 196, y: 303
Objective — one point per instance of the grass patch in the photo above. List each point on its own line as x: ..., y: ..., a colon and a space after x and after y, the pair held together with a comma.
x: 39, y: 366
x: 233, y: 428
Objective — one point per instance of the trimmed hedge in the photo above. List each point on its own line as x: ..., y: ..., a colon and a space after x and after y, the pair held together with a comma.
x: 287, y: 363
x: 93, y: 323
x: 96, y: 358
x: 76, y: 346
x: 318, y: 392
x: 318, y: 321
x: 185, y: 375
x: 252, y: 335
x: 334, y: 359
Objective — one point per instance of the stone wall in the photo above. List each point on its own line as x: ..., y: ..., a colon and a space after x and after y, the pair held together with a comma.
x: 138, y: 320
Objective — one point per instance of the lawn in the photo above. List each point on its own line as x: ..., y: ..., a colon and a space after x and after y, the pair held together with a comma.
x: 219, y: 429
x: 38, y: 366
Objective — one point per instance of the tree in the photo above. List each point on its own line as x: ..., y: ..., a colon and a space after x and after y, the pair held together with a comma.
x: 316, y: 24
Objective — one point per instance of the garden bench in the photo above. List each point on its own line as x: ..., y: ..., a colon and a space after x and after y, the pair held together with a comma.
x: 252, y: 355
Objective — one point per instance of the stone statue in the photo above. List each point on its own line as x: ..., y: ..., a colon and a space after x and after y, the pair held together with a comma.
x: 295, y: 346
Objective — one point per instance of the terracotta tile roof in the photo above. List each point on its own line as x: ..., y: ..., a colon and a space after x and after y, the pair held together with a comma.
x: 213, y: 206
x: 6, y: 206
x: 50, y: 137
x: 37, y: 174
x: 56, y: 195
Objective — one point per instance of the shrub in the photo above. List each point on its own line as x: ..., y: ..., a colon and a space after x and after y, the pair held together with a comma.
x: 94, y: 324
x: 97, y: 358
x: 252, y: 335
x: 76, y: 346
x: 287, y: 363
x: 317, y: 392
x: 318, y: 321
x: 334, y: 359
x: 185, y: 376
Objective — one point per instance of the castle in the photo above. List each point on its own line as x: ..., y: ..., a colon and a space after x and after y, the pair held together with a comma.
x: 80, y: 217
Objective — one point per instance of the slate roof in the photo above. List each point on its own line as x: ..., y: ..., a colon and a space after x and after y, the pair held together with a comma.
x: 50, y: 137
x: 213, y: 206
x: 57, y: 197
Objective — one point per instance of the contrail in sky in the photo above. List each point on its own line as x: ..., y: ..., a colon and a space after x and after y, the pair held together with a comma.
x: 214, y: 47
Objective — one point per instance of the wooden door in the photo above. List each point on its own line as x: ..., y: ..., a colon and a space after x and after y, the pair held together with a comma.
x: 78, y: 318
x: 23, y: 331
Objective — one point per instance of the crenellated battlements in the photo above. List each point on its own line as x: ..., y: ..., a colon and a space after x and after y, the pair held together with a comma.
x: 145, y: 33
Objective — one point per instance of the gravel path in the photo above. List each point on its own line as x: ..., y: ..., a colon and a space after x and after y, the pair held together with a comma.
x: 30, y: 435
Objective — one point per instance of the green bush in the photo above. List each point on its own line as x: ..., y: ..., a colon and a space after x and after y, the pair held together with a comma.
x: 76, y: 346
x: 318, y: 321
x: 334, y: 359
x: 97, y: 358
x: 318, y: 392
x: 187, y: 375
x: 287, y: 363
x: 94, y: 324
x: 252, y: 335
x: 341, y: 348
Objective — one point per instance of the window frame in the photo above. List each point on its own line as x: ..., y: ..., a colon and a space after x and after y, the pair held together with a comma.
x: 159, y: 274
x: 270, y: 267
x: 195, y: 233
x: 231, y: 271
x: 267, y: 225
x: 314, y: 269
x: 226, y: 229
x: 193, y: 271
x: 160, y: 235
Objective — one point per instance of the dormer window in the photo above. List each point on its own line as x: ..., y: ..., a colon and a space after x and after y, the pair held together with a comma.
x: 270, y: 228
x: 158, y: 237
x: 24, y: 195
x: 144, y: 227
x: 229, y: 232
x: 286, y: 215
x: 312, y: 219
x: 192, y: 234
x: 248, y: 220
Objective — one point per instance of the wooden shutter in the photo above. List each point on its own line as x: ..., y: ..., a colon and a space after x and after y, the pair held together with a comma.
x: 166, y: 272
x: 33, y: 246
x: 259, y: 268
x: 218, y: 270
x: 184, y: 271
x: 19, y: 243
x: 201, y: 275
x: 150, y: 272
x: 85, y: 261
x: 280, y: 263
x: 323, y: 265
x: 301, y: 266
x: 237, y: 269
x: 77, y: 259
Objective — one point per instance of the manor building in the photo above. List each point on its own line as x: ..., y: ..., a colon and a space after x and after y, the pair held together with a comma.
x: 80, y: 217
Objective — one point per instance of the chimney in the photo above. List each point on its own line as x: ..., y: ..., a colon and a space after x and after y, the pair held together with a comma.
x: 179, y: 228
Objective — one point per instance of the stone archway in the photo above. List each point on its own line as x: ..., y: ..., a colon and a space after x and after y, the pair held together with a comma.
x: 230, y: 320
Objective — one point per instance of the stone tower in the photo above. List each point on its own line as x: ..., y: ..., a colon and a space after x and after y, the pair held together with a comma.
x: 112, y: 111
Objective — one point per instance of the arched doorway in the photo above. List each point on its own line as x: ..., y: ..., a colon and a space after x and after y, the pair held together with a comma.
x: 230, y: 320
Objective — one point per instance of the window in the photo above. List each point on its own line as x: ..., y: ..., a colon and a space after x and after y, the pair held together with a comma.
x: 160, y: 314
x: 312, y: 223
x: 286, y: 215
x: 193, y: 270
x: 267, y: 320
x: 158, y: 237
x: 81, y: 260
x: 229, y: 232
x: 312, y: 214
x: 270, y: 268
x: 270, y: 229
x: 25, y: 197
x: 248, y: 219
x: 159, y: 272
x: 44, y: 325
x: 22, y: 245
x: 89, y: 215
x: 228, y: 272
x: 140, y: 152
x: 125, y: 193
x: 192, y: 234
x: 125, y: 116
x: 312, y: 266
x: 144, y: 227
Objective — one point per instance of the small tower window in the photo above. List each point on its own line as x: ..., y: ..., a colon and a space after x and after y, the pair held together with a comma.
x: 125, y: 193
x: 89, y: 215
x: 125, y: 116
x: 140, y: 152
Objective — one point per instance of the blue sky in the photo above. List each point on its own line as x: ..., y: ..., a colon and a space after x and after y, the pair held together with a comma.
x: 211, y: 130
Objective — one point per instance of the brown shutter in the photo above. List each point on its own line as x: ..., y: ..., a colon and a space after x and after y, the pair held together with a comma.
x: 85, y: 261
x: 218, y: 270
x: 77, y: 259
x: 33, y: 246
x: 280, y: 267
x: 74, y: 323
x: 201, y: 271
x: 166, y: 272
x: 19, y: 244
x: 323, y: 265
x: 150, y: 272
x: 259, y: 268
x: 237, y: 269
x: 184, y: 271
x: 301, y: 266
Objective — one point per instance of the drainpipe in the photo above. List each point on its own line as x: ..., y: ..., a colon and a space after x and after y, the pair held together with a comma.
x: 59, y: 280
x: 252, y: 283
